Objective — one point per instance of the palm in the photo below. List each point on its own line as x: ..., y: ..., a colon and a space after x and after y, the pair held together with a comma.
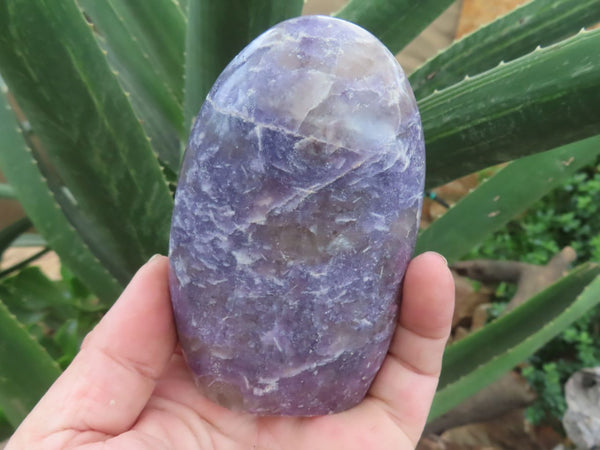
x: 167, y: 418
x: 130, y: 388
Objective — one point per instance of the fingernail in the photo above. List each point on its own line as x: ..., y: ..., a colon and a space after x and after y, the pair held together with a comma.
x: 153, y: 257
x: 442, y: 257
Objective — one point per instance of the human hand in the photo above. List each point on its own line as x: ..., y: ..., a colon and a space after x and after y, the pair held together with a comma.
x: 129, y: 387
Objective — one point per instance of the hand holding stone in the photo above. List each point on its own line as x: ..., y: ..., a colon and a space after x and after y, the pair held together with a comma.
x: 130, y: 388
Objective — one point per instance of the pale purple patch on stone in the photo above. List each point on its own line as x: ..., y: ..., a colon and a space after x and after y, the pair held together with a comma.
x: 295, y: 217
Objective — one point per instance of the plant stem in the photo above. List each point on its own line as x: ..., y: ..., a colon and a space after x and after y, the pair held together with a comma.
x: 23, y: 263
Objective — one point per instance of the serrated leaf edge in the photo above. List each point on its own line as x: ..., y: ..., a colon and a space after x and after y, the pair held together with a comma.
x: 27, y: 150
x: 520, y: 344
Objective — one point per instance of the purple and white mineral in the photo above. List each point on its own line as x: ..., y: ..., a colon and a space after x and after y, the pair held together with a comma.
x: 295, y: 217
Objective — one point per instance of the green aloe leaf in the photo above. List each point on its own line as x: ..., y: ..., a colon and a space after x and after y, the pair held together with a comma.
x: 500, y: 198
x: 30, y: 295
x: 94, y: 149
x: 29, y: 240
x: 183, y: 6
x: 394, y: 22
x: 540, y: 22
x: 26, y: 369
x: 163, y: 26
x: 538, y: 102
x: 58, y: 314
x: 156, y: 94
x: 217, y: 31
x: 157, y: 27
x: 484, y: 356
x: 6, y: 429
x: 13, y: 231
x: 21, y: 170
x: 7, y: 191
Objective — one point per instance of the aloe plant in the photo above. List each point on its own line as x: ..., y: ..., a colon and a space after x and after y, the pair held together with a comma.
x: 109, y: 90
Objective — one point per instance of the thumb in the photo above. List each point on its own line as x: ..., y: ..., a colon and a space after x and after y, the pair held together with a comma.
x: 111, y: 379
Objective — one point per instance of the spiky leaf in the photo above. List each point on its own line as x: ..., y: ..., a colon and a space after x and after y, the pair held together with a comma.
x: 538, y: 102
x: 6, y: 429
x: 97, y: 153
x: 26, y: 369
x: 57, y: 313
x: 482, y: 357
x: 21, y: 170
x: 150, y: 69
x: 540, y: 22
x: 508, y: 193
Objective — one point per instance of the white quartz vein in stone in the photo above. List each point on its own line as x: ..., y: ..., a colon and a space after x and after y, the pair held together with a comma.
x: 344, y: 219
x: 300, y: 195
x: 294, y: 371
x: 287, y: 131
x: 294, y: 201
x: 181, y: 270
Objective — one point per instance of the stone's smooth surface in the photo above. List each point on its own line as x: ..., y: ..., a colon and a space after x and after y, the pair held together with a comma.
x: 295, y: 217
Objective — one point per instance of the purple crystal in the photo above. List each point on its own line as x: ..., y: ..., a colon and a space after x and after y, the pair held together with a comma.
x: 295, y: 217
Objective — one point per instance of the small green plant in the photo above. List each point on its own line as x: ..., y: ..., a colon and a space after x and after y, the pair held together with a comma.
x: 574, y: 349
x: 566, y: 216
x: 563, y: 217
x: 58, y: 314
x: 547, y: 381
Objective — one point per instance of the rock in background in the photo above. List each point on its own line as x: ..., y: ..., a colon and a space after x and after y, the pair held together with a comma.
x: 582, y: 419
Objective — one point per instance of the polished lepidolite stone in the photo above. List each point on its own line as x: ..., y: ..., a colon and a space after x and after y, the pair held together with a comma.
x: 295, y: 217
